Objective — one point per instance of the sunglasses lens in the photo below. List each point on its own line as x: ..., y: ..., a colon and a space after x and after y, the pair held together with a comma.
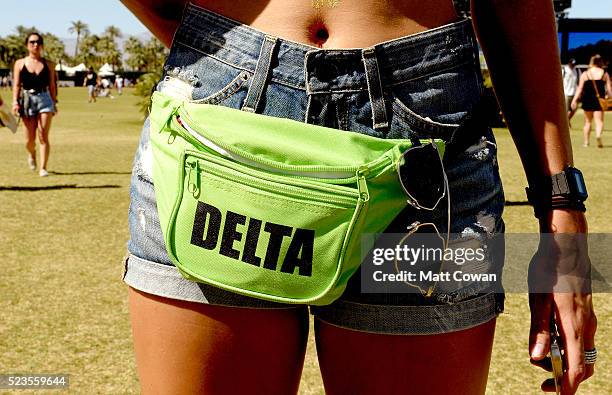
x: 422, y: 175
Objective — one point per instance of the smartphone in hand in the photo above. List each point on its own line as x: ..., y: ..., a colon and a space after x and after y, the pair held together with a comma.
x: 556, y: 355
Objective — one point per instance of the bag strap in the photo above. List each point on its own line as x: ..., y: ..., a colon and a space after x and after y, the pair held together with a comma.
x: 594, y: 86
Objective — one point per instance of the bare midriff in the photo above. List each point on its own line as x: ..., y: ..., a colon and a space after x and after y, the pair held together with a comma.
x: 337, y: 23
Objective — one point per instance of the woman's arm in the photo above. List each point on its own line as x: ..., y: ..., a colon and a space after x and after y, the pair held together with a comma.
x: 579, y: 91
x: 608, y: 84
x: 52, y: 81
x: 16, y: 85
x: 519, y: 40
x: 162, y: 17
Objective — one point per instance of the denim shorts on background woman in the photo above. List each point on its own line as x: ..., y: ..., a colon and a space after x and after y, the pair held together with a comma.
x: 39, y: 103
x: 419, y: 85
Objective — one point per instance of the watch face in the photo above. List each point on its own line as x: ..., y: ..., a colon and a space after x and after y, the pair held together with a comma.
x: 579, y: 184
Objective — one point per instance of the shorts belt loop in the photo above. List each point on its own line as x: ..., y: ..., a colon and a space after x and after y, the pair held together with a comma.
x: 379, y: 110
x: 262, y: 71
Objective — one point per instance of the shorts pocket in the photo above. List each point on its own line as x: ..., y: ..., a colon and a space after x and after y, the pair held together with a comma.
x: 435, y: 105
x: 200, y: 77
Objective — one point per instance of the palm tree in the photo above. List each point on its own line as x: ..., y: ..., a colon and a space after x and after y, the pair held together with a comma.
x: 113, y: 32
x: 107, y: 46
x: 78, y: 27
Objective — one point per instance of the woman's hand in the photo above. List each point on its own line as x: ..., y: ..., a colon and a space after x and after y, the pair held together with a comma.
x: 560, y: 283
x: 574, y: 105
x: 16, y: 109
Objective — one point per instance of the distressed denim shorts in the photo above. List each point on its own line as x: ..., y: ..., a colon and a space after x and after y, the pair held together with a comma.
x: 420, y: 85
x: 40, y: 103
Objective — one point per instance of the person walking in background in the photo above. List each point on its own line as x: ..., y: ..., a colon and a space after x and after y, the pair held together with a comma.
x: 35, y: 99
x: 570, y: 83
x: 119, y: 85
x: 595, y: 81
x: 91, y: 81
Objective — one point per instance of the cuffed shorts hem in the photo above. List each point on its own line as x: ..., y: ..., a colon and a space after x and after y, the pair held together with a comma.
x: 412, y: 320
x: 166, y: 281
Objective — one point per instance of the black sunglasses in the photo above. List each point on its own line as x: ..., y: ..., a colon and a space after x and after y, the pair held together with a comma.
x: 35, y: 42
x: 421, y: 174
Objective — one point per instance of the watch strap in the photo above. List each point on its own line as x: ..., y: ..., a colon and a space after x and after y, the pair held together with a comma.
x: 554, y: 192
x: 560, y: 185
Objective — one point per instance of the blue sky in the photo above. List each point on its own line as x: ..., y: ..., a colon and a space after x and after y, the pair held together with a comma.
x: 579, y: 39
x: 55, y: 15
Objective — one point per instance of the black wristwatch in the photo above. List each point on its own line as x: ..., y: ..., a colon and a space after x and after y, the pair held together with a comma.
x: 562, y: 190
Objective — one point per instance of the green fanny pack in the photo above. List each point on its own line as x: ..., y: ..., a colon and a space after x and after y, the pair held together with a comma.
x: 269, y: 207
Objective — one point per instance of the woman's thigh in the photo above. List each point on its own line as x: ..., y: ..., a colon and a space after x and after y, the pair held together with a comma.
x: 44, y: 124
x: 30, y: 124
x: 185, y: 347
x: 354, y: 362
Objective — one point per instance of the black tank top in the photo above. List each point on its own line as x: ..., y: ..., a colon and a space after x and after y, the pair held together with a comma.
x: 38, y: 82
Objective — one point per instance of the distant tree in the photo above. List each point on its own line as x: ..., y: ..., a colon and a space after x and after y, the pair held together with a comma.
x: 144, y: 86
x: 149, y: 56
x: 23, y: 31
x: 156, y: 54
x: 55, y: 49
x: 136, y: 56
x: 88, y: 51
x: 13, y: 47
x: 583, y: 53
x: 107, y: 46
x: 112, y: 32
x: 79, y: 28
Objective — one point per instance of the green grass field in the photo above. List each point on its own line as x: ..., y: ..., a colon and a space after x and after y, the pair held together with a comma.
x: 63, y: 304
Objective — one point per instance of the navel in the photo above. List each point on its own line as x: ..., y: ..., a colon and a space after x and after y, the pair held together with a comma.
x: 318, y: 33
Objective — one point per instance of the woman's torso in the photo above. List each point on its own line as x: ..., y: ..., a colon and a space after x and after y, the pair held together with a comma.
x: 90, y: 79
x: 337, y: 23
x: 595, y: 78
x: 34, y: 75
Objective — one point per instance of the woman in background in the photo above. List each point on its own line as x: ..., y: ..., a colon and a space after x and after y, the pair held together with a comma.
x: 35, y: 99
x: 91, y: 82
x: 593, y: 83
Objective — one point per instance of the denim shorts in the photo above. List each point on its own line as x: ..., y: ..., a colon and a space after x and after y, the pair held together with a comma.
x: 420, y: 85
x: 40, y: 103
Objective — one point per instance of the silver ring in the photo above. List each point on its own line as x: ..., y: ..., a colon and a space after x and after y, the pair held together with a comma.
x: 590, y: 356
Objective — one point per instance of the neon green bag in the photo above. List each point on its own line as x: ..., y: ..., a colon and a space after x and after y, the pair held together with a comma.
x: 269, y: 207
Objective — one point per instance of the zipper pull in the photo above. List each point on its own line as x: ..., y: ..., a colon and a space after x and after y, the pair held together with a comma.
x: 171, y: 137
x: 192, y: 179
x: 362, y: 186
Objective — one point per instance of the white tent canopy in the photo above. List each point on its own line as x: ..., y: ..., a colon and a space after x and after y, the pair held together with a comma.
x: 70, y: 71
x: 106, y: 70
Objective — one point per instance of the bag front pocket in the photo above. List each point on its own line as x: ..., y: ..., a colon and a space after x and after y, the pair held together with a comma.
x: 261, y: 234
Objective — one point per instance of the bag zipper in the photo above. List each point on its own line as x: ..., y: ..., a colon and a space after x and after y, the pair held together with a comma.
x: 232, y: 174
x: 343, y: 174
